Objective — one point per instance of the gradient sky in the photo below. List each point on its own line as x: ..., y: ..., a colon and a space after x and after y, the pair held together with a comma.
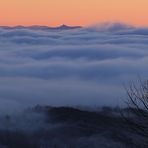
x: 72, y: 12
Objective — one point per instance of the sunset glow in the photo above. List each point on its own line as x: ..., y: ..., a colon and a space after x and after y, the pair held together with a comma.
x: 72, y: 12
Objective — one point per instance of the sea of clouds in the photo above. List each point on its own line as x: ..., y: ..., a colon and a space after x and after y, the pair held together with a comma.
x: 86, y: 66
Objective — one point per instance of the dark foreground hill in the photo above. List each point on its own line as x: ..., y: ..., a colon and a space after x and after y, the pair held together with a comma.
x: 65, y: 127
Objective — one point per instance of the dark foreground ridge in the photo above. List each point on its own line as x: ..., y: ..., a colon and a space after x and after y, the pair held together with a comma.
x: 65, y: 127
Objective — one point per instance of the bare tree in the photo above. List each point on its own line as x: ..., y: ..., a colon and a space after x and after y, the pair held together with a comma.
x: 137, y: 109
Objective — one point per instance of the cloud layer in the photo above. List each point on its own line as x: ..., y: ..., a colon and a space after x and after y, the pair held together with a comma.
x: 85, y: 66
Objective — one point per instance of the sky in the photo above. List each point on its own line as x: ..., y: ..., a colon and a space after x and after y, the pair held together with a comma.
x: 72, y: 12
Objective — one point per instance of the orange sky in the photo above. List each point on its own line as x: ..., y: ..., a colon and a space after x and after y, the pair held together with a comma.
x: 72, y: 12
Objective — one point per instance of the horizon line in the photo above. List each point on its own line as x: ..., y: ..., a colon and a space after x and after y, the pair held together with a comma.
x: 82, y: 26
x: 21, y: 25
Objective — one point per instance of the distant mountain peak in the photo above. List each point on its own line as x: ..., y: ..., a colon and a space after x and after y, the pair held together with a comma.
x: 63, y: 26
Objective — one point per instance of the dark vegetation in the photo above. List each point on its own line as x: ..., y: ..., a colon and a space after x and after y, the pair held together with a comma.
x: 67, y: 127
